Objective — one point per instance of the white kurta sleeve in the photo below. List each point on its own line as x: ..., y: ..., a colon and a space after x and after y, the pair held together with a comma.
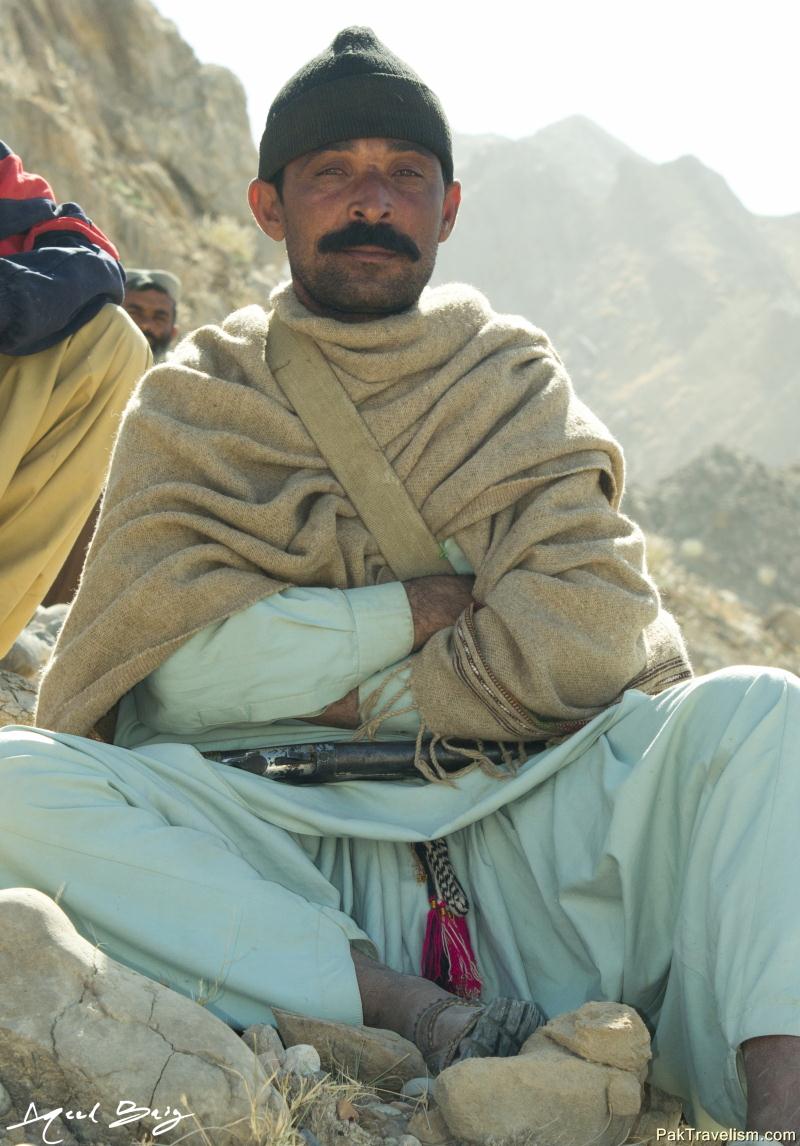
x: 285, y: 657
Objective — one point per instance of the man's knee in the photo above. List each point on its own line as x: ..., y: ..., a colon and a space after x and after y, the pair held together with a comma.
x: 34, y: 769
x: 758, y: 683
x: 116, y: 348
x: 744, y: 711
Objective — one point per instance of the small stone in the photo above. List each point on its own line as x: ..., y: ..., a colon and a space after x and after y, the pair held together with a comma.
x: 402, y: 1107
x: 417, y: 1087
x: 408, y: 1140
x: 264, y: 1039
x: 5, y: 1100
x: 611, y: 1033
x: 386, y: 1108
x: 430, y: 1128
x: 270, y: 1062
x: 345, y: 1111
x: 301, y: 1059
x: 383, y: 1120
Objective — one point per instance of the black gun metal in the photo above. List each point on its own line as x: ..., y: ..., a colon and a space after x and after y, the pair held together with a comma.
x: 332, y: 762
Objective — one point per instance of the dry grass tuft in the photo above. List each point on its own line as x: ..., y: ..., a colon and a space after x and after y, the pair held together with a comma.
x: 303, y: 1103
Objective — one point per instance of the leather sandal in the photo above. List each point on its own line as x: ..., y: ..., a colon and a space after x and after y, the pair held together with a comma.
x: 497, y: 1030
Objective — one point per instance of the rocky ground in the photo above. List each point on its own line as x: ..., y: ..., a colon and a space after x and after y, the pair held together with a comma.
x: 111, y: 1058
x: 732, y: 522
x: 720, y: 628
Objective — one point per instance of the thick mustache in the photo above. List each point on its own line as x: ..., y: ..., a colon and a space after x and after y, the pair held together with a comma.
x: 358, y: 234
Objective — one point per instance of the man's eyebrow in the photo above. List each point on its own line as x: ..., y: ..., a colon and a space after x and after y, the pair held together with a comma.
x: 407, y: 145
x: 159, y: 312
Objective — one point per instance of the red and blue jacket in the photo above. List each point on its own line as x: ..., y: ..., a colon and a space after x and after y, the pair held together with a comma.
x: 56, y: 268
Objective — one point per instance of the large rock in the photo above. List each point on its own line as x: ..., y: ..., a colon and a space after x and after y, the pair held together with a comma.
x: 17, y: 699
x: 546, y: 1093
x: 368, y: 1054
x: 82, y: 1032
x: 609, y: 1033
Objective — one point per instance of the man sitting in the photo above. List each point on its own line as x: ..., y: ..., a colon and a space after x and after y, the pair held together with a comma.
x: 234, y: 598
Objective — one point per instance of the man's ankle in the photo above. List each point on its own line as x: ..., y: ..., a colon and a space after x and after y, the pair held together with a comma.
x: 772, y: 1070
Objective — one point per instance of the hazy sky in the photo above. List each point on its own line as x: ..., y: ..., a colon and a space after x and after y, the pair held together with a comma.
x: 717, y: 80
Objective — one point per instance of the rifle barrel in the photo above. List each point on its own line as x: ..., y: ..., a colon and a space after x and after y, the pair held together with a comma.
x: 330, y: 762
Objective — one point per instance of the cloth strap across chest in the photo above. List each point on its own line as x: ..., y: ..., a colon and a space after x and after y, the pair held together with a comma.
x: 345, y: 441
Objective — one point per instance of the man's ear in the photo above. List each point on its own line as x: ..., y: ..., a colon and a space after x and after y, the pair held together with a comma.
x: 452, y: 201
x: 265, y: 203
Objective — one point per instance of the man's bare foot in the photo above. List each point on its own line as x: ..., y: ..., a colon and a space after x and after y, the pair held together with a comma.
x: 772, y: 1069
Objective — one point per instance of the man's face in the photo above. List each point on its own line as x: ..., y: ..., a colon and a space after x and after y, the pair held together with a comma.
x: 153, y: 311
x: 362, y: 220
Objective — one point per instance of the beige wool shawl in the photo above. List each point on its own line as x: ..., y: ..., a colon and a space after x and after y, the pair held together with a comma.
x: 217, y: 497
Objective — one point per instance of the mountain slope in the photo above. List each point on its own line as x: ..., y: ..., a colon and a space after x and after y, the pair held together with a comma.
x: 675, y: 309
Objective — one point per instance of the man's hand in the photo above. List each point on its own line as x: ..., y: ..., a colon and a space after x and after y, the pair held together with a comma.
x: 437, y: 602
x: 341, y: 713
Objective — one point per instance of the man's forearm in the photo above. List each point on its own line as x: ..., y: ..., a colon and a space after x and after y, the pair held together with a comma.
x: 435, y: 603
x: 283, y: 658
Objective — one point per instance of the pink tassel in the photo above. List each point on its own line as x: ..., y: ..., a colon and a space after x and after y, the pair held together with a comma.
x: 432, y: 947
x: 447, y: 955
x: 464, y: 979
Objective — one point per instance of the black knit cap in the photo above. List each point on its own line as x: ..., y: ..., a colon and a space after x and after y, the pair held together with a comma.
x: 355, y: 89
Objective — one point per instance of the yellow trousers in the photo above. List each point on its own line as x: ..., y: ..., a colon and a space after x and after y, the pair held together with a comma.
x: 59, y: 412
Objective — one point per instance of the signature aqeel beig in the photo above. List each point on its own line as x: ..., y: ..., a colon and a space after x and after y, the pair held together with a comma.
x: 126, y: 1113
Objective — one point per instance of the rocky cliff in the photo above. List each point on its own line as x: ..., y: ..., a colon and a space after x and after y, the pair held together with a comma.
x: 108, y: 103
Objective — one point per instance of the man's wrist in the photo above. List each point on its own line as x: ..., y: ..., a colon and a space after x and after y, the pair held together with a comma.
x: 436, y: 603
x: 342, y: 713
